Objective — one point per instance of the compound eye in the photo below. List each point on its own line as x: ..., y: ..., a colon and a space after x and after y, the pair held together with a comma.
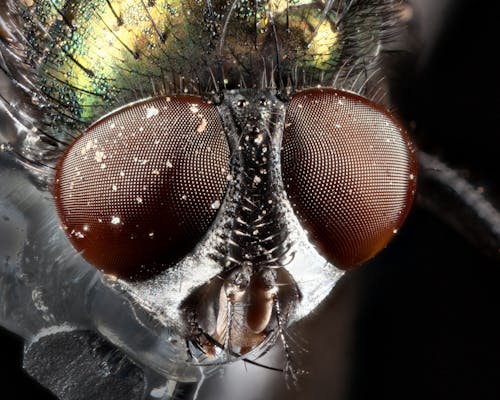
x: 139, y: 188
x: 349, y: 171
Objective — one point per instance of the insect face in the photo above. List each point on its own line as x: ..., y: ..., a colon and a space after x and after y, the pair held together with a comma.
x: 226, y: 202
x: 150, y: 184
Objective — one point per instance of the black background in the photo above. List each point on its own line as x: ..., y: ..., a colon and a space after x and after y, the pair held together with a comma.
x: 419, y: 322
x: 427, y: 327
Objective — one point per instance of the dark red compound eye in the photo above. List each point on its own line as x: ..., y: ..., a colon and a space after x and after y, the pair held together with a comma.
x: 349, y: 171
x: 138, y: 189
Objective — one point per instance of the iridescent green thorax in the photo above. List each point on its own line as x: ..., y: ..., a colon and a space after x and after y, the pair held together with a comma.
x: 95, y: 55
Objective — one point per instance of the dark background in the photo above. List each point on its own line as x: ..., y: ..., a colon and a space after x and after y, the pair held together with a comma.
x: 427, y: 324
x: 419, y: 322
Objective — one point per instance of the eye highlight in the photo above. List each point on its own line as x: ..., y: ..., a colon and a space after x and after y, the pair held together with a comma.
x: 139, y: 188
x: 349, y: 171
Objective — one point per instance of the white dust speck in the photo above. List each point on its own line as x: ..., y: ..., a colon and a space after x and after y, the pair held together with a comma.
x: 155, y: 172
x: 184, y: 197
x: 114, y: 187
x: 151, y: 234
x: 159, y: 392
x: 112, y: 125
x: 215, y: 205
x: 202, y: 126
x: 139, y: 200
x: 194, y: 108
x: 88, y: 146
x: 259, y: 138
x: 77, y: 234
x: 168, y: 164
x: 103, y: 166
x: 86, y: 228
x: 122, y: 174
x: 412, y: 177
x: 115, y: 220
x: 394, y: 231
x: 257, y: 179
x: 99, y: 156
x: 110, y: 277
x: 152, y: 112
x: 140, y: 161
